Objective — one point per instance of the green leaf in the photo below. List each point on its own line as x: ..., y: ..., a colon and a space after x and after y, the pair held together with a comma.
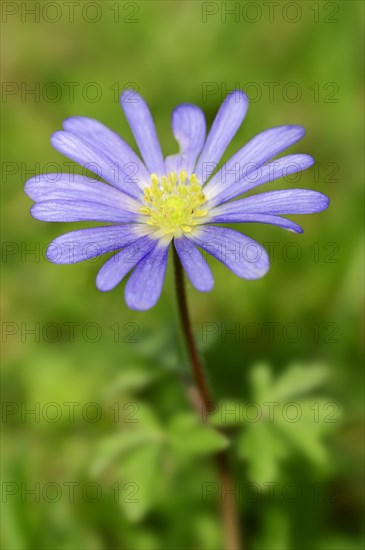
x: 298, y: 380
x: 227, y: 414
x: 275, y: 531
x: 292, y: 424
x: 116, y: 446
x: 133, y: 379
x: 308, y: 432
x: 261, y: 381
x: 140, y: 472
x: 263, y: 448
x: 188, y: 437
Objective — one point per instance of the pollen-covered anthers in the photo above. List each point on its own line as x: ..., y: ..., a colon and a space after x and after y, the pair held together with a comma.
x: 174, y: 203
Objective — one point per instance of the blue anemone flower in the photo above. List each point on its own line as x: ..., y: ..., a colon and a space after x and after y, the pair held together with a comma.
x: 153, y: 202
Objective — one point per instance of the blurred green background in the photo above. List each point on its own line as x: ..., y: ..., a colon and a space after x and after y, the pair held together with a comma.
x: 100, y: 377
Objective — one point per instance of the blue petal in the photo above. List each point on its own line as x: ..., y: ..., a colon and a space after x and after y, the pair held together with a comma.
x: 81, y: 151
x: 144, y: 286
x: 266, y: 173
x: 84, y: 244
x: 194, y: 264
x: 229, y: 118
x: 112, y: 144
x: 78, y: 211
x: 74, y: 187
x: 242, y: 255
x: 260, y: 149
x: 141, y: 122
x: 290, y: 201
x: 188, y: 126
x: 117, y: 267
x: 236, y: 217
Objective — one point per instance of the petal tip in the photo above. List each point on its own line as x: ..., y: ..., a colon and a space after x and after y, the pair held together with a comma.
x: 300, y: 129
x: 34, y: 212
x: 51, y: 255
x: 325, y: 201
x: 129, y: 96
x: 206, y: 288
x: 28, y: 187
x: 57, y: 138
x: 239, y: 98
x: 133, y: 303
x: 238, y: 94
x: 69, y: 122
x: 309, y: 161
x: 102, y: 285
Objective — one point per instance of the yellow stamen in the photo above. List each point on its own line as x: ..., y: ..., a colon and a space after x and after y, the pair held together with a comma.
x: 183, y: 175
x: 146, y: 211
x: 173, y: 203
x: 154, y: 178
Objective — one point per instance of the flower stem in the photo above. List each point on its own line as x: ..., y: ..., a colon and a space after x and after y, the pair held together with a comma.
x: 227, y: 488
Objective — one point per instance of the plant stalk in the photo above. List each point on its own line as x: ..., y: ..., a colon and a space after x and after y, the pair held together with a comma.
x: 230, y: 519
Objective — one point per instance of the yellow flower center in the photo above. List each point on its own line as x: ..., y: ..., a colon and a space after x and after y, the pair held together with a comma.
x: 173, y: 203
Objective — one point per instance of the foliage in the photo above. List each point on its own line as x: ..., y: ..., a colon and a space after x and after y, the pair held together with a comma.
x: 118, y: 358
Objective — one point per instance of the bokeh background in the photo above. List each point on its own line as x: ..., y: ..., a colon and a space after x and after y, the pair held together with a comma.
x: 110, y: 457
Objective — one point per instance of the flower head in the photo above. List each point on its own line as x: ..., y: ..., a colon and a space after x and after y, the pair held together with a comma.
x: 153, y: 202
